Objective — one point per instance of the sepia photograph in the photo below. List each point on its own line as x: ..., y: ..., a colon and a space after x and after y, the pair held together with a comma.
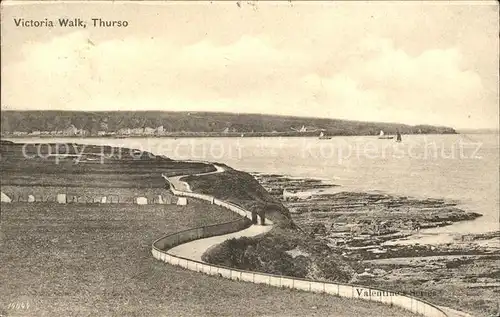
x: 250, y: 158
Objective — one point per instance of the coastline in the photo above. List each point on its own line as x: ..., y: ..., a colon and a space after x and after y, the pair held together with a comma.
x: 210, y: 135
x: 305, y: 250
x: 397, y: 260
x: 177, y: 249
x: 50, y: 239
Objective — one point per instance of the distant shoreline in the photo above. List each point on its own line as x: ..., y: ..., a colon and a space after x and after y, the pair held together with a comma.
x: 202, y: 124
x: 478, y: 131
x: 206, y: 135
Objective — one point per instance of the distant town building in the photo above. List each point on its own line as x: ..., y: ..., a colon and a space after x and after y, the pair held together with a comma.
x: 124, y: 131
x: 137, y: 131
x: 149, y: 131
x: 71, y: 130
x: 82, y: 132
x: 304, y: 129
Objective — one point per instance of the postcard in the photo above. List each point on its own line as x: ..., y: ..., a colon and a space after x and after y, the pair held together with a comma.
x: 249, y: 158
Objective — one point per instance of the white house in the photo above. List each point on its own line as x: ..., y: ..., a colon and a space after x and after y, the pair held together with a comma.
x: 71, y: 130
x: 125, y: 131
x: 137, y: 131
x: 149, y: 131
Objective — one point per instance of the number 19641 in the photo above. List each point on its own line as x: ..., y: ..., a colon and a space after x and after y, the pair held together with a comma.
x: 18, y: 305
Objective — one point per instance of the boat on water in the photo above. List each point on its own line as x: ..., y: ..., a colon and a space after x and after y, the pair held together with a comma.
x: 322, y: 136
x: 383, y: 136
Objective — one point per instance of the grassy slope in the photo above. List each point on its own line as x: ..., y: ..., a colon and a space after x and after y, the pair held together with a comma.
x: 268, y: 253
x: 96, y: 261
x: 118, y: 168
x: 242, y: 189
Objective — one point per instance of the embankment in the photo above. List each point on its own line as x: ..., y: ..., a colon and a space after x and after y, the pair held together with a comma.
x: 160, y: 250
x: 236, y: 187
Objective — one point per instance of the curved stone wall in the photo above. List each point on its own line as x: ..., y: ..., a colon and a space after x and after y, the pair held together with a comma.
x: 161, y: 246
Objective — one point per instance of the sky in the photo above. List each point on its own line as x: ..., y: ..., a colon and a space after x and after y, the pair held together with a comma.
x: 409, y: 62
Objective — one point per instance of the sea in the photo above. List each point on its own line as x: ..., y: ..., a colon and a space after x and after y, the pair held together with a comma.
x: 462, y: 167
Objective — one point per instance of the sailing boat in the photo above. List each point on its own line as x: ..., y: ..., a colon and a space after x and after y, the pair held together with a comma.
x: 382, y: 136
x: 398, y: 137
x: 322, y: 136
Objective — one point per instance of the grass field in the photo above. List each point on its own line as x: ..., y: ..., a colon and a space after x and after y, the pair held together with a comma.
x: 95, y: 260
x: 32, y: 167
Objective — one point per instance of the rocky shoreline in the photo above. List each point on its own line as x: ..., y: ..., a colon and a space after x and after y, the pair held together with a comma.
x: 366, y: 230
x: 355, y: 219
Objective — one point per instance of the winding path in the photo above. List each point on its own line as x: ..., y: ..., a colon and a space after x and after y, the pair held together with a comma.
x: 195, y: 249
x: 183, y: 186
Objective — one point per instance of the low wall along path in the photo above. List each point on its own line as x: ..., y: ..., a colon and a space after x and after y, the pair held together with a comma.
x: 185, y: 249
x: 85, y: 195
